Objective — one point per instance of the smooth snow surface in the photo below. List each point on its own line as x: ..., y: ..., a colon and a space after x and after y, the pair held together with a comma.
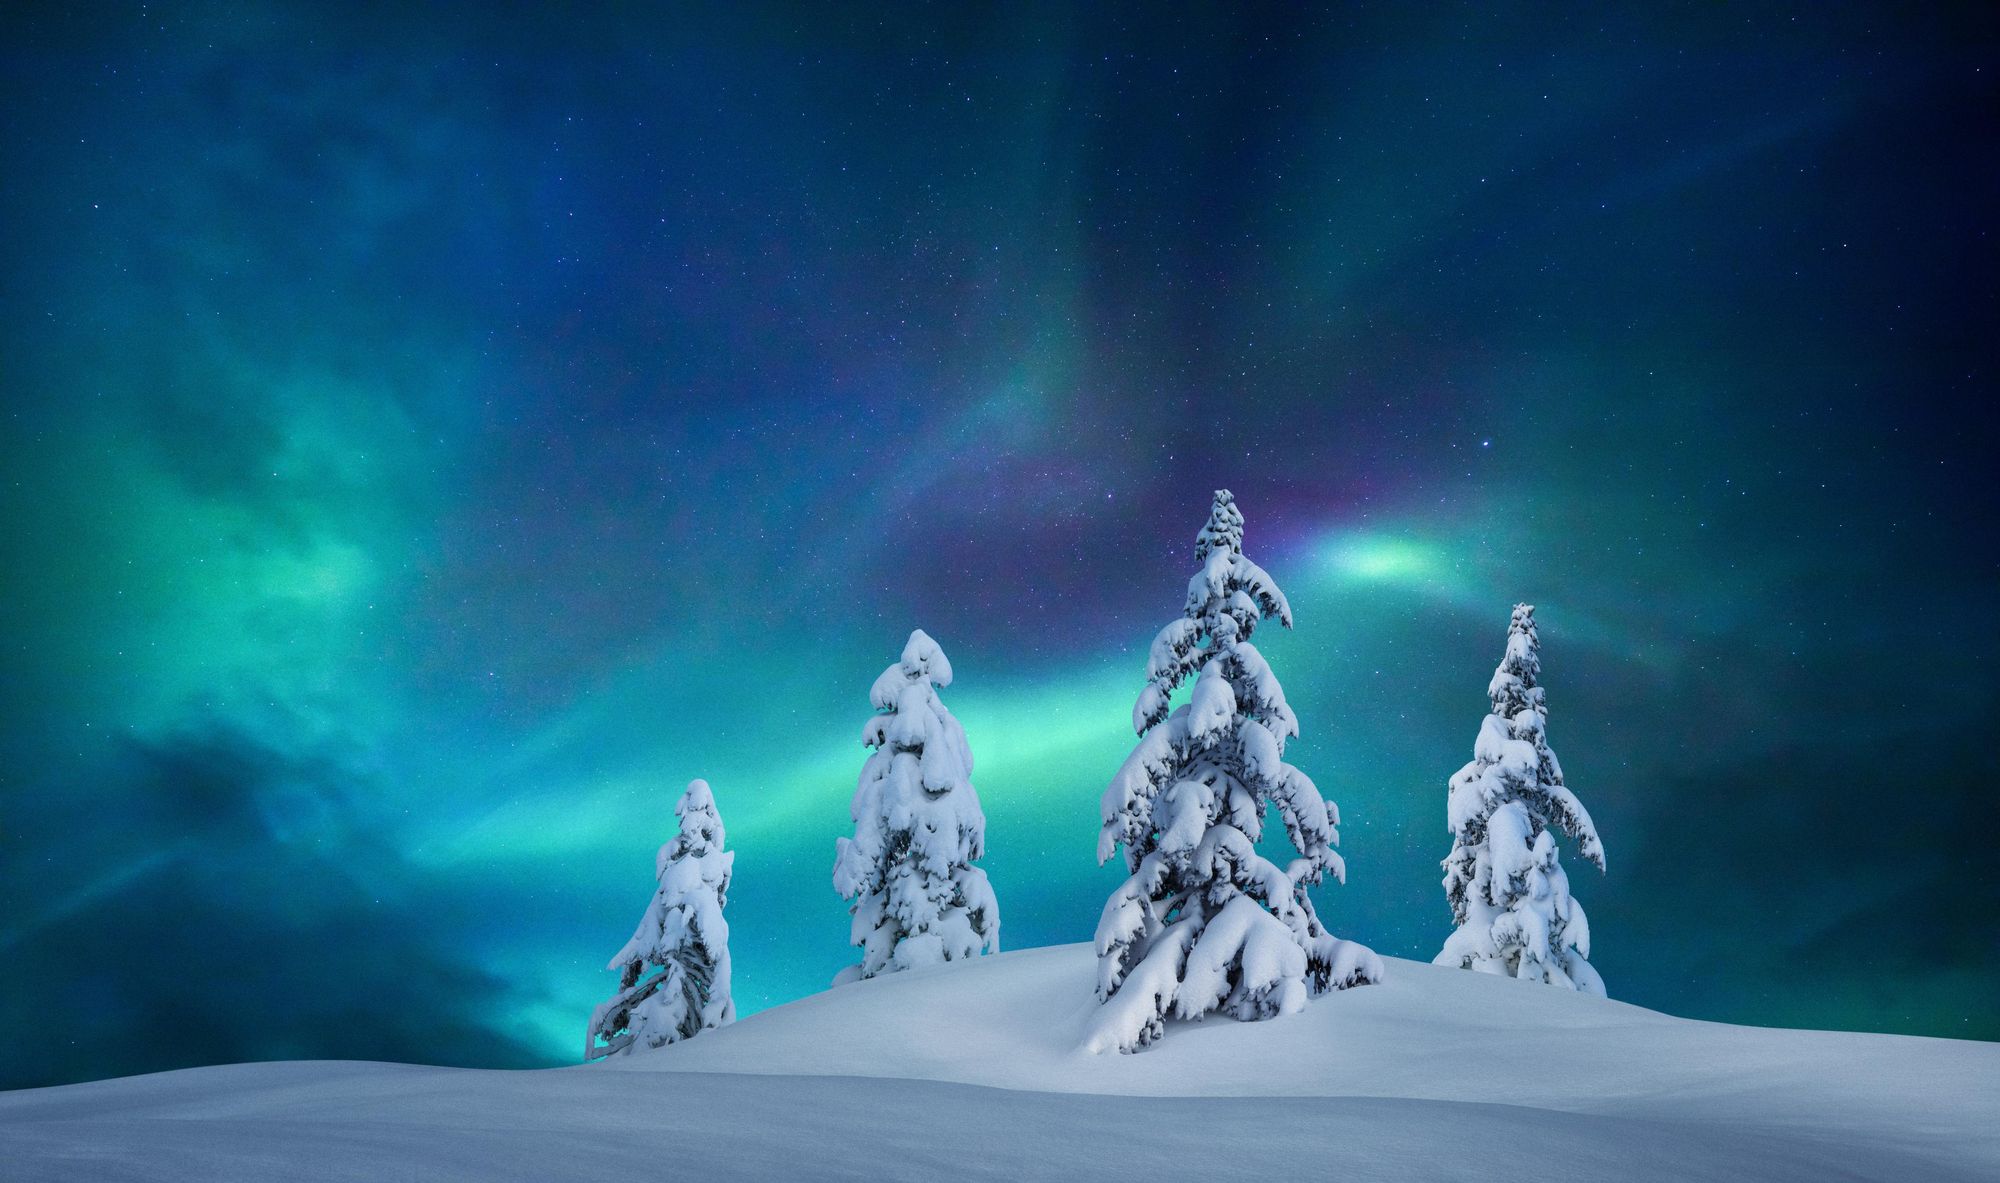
x: 1398, y: 1081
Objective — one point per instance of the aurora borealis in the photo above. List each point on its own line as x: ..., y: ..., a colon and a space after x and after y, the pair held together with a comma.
x: 434, y: 436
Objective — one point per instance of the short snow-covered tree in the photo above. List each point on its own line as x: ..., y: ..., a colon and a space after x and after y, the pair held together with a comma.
x: 1205, y: 923
x: 675, y: 969
x: 916, y: 897
x: 1507, y: 888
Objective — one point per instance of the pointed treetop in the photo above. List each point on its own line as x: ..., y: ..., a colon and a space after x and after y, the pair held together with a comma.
x: 698, y: 798
x: 922, y: 662
x: 1524, y: 644
x: 922, y: 658
x: 1524, y: 619
x: 1516, y: 683
x: 1224, y: 530
x: 701, y: 826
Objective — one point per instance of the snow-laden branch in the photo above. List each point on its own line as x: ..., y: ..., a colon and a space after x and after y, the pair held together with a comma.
x: 1204, y: 924
x: 1504, y: 878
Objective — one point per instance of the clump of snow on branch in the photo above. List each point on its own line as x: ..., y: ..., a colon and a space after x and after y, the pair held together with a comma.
x: 1205, y: 924
x: 1508, y: 892
x: 916, y: 897
x: 675, y: 969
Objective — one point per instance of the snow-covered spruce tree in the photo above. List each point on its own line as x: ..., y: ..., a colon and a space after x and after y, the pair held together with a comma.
x: 1205, y: 923
x: 676, y: 966
x: 917, y: 898
x: 1507, y: 889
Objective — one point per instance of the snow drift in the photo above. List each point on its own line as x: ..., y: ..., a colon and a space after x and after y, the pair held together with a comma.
x: 975, y: 1070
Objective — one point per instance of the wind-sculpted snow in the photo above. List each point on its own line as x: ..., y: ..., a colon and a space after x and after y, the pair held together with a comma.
x: 1504, y: 879
x: 916, y: 899
x: 1205, y: 924
x: 1401, y: 1082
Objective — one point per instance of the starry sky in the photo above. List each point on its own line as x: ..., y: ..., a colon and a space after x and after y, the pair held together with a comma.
x: 433, y: 435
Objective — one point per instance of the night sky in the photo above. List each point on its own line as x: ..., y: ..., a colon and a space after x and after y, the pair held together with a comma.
x: 431, y: 438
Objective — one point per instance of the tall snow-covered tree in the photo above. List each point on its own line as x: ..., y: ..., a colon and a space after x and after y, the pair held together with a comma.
x: 916, y: 897
x: 1206, y: 924
x: 675, y: 969
x: 1508, y: 892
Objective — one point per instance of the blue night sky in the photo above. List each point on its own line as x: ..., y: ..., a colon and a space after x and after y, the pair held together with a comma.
x: 429, y: 437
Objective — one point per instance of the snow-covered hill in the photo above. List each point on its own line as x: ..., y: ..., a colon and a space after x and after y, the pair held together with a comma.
x: 972, y: 1070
